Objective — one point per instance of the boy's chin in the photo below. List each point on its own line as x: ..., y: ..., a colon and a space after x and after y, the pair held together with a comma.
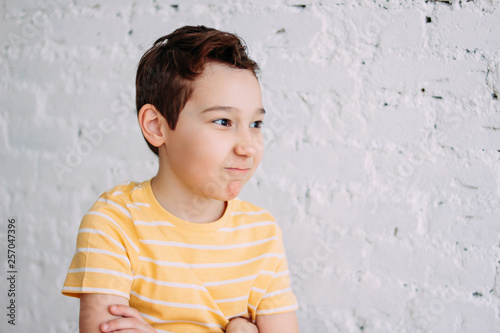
x: 234, y: 188
x: 224, y: 192
x: 229, y: 192
x: 227, y: 196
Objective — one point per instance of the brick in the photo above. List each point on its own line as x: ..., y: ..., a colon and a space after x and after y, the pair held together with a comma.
x: 471, y: 29
x: 44, y: 134
x: 402, y: 30
x: 20, y: 103
x: 97, y: 33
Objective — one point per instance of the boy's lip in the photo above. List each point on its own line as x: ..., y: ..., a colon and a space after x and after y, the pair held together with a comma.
x: 238, y: 170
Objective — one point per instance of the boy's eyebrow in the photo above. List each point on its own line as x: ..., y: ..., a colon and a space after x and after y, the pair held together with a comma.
x: 229, y: 109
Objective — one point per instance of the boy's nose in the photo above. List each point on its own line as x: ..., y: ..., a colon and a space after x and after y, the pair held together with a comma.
x: 245, y: 149
x: 247, y: 144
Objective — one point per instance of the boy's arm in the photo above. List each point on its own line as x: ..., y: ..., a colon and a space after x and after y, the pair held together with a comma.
x: 94, y: 310
x: 241, y: 325
x: 98, y: 310
x: 280, y: 322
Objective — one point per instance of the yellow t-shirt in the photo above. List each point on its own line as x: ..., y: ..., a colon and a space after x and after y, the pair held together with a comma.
x: 181, y: 276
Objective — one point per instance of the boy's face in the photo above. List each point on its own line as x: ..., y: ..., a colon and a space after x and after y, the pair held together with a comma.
x: 217, y: 143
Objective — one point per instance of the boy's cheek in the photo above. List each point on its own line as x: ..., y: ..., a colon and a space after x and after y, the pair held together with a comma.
x: 260, y: 142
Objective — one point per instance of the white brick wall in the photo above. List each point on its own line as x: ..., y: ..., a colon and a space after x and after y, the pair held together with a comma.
x: 382, y: 162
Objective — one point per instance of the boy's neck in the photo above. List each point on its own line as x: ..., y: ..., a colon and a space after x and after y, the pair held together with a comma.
x: 192, y: 208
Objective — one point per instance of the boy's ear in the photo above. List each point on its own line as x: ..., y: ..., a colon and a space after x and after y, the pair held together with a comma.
x: 153, y: 125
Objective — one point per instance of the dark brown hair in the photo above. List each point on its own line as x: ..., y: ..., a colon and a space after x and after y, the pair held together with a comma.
x: 168, y: 69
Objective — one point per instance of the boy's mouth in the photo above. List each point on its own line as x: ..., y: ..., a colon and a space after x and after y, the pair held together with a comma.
x: 238, y: 171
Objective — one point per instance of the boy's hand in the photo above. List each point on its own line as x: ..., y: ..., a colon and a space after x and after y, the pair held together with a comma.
x: 131, y: 321
x: 241, y: 325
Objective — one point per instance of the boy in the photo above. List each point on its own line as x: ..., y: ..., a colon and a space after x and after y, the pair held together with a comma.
x: 179, y: 252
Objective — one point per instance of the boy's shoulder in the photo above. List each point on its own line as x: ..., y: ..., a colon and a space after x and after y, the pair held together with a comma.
x: 123, y: 197
x: 126, y: 191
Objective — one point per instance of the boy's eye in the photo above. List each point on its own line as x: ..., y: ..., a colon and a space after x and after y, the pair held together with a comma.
x: 257, y: 124
x: 222, y: 122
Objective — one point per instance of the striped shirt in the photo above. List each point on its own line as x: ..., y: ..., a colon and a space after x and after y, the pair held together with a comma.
x: 181, y: 276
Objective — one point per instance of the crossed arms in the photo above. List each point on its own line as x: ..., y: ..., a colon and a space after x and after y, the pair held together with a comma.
x: 96, y: 311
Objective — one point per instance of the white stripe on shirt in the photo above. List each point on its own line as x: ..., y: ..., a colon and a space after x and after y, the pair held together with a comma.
x: 81, y: 290
x: 207, y: 247
x: 280, y: 274
x: 250, y: 213
x: 113, y: 221
x: 223, y: 282
x: 153, y: 223
x: 101, y: 270
x: 144, y: 204
x: 120, y: 207
x: 89, y: 249
x: 136, y: 204
x: 247, y: 226
x: 277, y: 292
x: 99, y: 232
x: 233, y: 299
x: 213, y: 265
x: 156, y: 320
x: 176, y: 305
x: 170, y: 284
x: 260, y: 291
x: 282, y: 309
x: 241, y: 279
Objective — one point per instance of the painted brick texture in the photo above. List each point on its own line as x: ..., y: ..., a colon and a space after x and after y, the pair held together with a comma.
x: 382, y: 163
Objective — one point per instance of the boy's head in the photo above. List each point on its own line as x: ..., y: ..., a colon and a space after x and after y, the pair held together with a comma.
x: 167, y: 71
x: 200, y: 110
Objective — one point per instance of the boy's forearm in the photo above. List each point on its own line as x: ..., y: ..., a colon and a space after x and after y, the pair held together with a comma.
x: 241, y: 325
x: 280, y: 322
x: 94, y: 310
x: 108, y: 313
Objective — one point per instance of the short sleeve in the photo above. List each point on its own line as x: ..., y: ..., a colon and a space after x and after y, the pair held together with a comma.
x: 279, y: 296
x: 106, y: 252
